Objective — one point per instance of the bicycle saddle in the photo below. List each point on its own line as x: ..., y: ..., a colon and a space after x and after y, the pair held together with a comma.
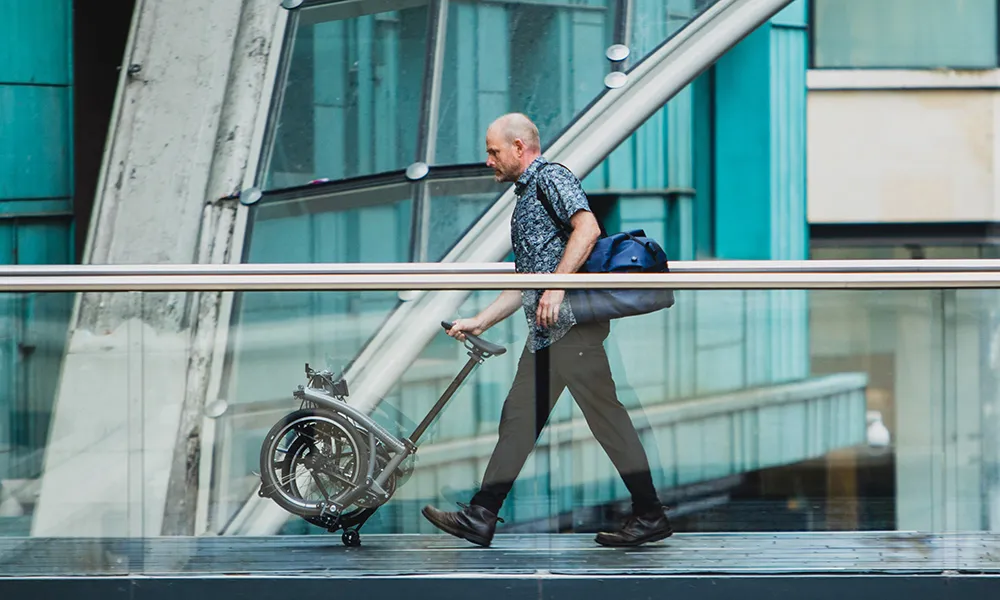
x: 478, y: 342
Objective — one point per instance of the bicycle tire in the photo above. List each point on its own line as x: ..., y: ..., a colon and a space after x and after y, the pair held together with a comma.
x: 280, y: 428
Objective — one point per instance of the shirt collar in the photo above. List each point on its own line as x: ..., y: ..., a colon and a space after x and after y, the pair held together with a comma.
x: 525, y: 177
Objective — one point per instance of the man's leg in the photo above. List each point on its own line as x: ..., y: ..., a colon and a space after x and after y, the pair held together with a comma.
x: 525, y: 412
x: 583, y: 364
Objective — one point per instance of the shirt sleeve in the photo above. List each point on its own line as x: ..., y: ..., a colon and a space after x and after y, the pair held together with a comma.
x: 564, y: 192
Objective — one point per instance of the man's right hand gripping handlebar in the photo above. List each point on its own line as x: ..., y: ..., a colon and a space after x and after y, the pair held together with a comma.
x: 468, y: 329
x: 462, y: 327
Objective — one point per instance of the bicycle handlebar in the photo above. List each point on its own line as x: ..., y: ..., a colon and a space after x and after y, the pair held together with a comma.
x: 479, y: 343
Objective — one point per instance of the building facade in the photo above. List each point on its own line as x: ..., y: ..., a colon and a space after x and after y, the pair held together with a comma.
x: 902, y: 164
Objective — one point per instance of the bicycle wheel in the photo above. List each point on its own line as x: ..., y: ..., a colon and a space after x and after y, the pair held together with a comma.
x: 312, y: 457
x: 348, y: 517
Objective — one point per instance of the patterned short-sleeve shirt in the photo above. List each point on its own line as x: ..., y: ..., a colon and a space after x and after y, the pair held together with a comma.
x: 536, y: 241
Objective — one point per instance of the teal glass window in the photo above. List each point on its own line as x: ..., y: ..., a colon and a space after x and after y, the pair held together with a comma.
x: 545, y: 59
x: 351, y: 98
x: 352, y: 222
x: 651, y: 22
x: 928, y: 34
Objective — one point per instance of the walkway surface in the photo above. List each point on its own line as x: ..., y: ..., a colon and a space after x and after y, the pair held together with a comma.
x: 514, y: 555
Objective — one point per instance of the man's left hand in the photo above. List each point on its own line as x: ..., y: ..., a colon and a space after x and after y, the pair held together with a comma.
x: 548, y: 307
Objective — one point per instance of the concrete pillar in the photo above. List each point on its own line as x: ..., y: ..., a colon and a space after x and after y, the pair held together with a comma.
x: 134, y: 375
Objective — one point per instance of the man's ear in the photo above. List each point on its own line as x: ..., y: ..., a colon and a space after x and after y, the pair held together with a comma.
x: 519, y: 147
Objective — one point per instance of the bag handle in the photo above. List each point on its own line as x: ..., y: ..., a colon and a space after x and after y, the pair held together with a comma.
x: 647, y: 245
x: 565, y: 230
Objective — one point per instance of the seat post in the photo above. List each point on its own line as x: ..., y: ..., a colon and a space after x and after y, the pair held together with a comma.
x: 475, y: 358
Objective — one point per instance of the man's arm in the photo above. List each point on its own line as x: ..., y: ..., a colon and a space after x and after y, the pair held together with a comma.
x: 581, y: 243
x: 504, y: 306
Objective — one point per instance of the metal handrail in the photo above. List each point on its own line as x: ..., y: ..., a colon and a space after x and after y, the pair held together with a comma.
x: 459, y: 268
x: 428, y: 280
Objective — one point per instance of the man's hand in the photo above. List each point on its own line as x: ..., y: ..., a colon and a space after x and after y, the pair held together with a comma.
x: 473, y: 326
x: 504, y: 306
x: 548, y: 307
x: 585, y: 233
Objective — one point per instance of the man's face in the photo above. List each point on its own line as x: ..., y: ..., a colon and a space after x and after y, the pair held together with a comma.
x: 503, y: 157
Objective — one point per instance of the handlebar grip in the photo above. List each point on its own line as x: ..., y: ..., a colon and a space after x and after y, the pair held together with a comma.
x: 480, y: 344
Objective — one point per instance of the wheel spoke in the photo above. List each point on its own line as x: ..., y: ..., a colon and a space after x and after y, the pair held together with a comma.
x: 331, y: 452
x: 319, y: 485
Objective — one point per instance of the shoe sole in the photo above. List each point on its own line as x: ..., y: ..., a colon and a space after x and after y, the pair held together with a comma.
x: 656, y: 537
x: 455, y: 532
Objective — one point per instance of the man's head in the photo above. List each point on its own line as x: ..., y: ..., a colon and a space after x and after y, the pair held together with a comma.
x: 511, y: 144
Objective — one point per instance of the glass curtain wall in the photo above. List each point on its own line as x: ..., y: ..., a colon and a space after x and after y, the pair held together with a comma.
x: 367, y: 89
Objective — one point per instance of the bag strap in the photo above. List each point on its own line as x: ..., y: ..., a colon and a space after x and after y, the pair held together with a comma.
x: 646, y: 245
x: 564, y: 229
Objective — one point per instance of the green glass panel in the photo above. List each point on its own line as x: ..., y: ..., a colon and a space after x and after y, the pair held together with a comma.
x: 350, y: 104
x: 728, y: 405
x: 905, y: 33
x: 370, y: 225
x: 35, y: 40
x: 34, y: 142
x: 546, y: 61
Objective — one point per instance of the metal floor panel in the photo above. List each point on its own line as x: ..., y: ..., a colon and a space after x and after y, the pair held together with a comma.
x: 527, y: 555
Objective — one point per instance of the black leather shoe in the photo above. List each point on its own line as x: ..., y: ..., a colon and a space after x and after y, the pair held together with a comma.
x: 473, y: 523
x: 638, y: 530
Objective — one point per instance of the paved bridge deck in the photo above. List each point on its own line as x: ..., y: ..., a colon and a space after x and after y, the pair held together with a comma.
x: 528, y: 566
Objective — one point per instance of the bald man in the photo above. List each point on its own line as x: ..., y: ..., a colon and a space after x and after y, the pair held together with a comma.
x: 558, y: 353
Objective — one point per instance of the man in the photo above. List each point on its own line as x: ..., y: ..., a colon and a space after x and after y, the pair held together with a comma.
x: 558, y: 353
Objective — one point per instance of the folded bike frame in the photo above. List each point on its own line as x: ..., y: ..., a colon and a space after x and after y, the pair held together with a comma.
x: 402, y: 448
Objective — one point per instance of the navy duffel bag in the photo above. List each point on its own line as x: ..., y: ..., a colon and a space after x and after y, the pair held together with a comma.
x: 630, y: 252
x: 627, y: 252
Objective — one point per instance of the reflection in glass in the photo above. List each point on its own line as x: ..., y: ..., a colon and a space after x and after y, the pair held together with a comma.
x: 350, y: 104
x: 652, y: 22
x: 673, y: 147
x: 746, y: 427
x: 32, y: 342
x: 364, y: 90
x: 887, y: 420
x: 368, y: 224
x: 273, y: 331
x: 452, y: 207
x: 346, y: 226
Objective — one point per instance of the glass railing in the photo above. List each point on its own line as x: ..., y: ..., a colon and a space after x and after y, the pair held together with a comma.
x: 847, y: 399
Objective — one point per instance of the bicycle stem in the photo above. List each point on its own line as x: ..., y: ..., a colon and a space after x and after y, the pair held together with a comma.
x: 474, y: 359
